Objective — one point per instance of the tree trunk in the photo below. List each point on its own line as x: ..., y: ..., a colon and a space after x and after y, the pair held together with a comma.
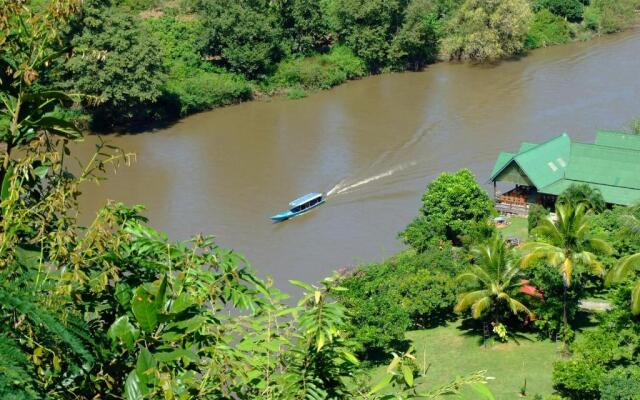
x: 565, y: 321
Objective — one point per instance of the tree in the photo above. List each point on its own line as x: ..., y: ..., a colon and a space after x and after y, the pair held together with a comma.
x: 416, y: 42
x: 582, y: 193
x: 243, y: 34
x: 116, y: 60
x: 630, y: 264
x: 304, y: 26
x: 568, y: 246
x: 570, y: 9
x: 454, y: 207
x: 494, y: 279
x: 486, y: 30
x: 368, y: 26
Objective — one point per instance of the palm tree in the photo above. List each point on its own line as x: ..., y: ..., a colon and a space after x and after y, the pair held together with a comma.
x: 566, y: 244
x: 494, y: 279
x: 630, y: 263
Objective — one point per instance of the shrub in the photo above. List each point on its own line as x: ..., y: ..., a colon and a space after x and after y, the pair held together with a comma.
x: 621, y: 384
x: 409, y: 291
x: 205, y: 90
x: 454, y: 208
x: 320, y: 72
x: 577, y: 380
x: 635, y: 126
x: 572, y: 10
x: 547, y: 29
x: 181, y: 42
x: 536, y: 213
x: 607, y: 16
x: 601, y: 358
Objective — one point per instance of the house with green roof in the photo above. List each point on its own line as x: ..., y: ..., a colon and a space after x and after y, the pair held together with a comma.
x: 541, y: 171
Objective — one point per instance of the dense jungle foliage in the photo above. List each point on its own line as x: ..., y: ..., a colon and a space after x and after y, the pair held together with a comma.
x: 153, y: 61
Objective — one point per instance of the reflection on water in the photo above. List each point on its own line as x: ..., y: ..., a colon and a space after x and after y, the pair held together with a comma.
x: 373, y: 144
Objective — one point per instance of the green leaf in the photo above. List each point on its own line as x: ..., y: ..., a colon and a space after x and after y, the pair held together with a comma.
x: 384, y: 382
x: 123, y: 294
x: 144, y: 309
x: 144, y: 369
x: 181, y: 303
x: 320, y: 341
x: 27, y: 257
x: 132, y: 387
x: 41, y: 171
x: 160, y: 297
x: 123, y: 331
x: 408, y: 375
x: 6, y: 183
x: 483, y: 391
x: 168, y: 356
x: 301, y: 284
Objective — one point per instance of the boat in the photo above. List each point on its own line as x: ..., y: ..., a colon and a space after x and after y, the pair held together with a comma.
x: 300, y: 206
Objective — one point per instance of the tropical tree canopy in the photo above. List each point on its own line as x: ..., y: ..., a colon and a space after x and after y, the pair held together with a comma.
x: 567, y: 243
x: 494, y: 277
x: 583, y: 194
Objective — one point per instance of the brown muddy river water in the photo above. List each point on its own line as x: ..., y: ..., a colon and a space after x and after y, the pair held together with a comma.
x: 373, y: 143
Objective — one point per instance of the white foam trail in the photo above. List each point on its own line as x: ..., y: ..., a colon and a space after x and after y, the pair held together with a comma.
x: 337, y: 189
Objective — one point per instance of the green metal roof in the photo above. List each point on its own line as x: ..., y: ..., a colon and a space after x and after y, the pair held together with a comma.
x: 618, y: 139
x: 527, y: 146
x: 612, y: 165
x: 611, y: 194
x: 604, y: 165
x: 504, y: 158
x: 543, y: 164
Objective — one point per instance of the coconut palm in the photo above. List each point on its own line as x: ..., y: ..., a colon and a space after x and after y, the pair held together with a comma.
x: 494, y: 278
x: 631, y: 263
x: 583, y: 194
x: 567, y: 245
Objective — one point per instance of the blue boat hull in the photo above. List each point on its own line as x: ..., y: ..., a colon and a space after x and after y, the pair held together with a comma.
x: 285, y: 215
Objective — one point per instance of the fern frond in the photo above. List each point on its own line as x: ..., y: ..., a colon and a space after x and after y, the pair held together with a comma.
x: 15, y: 379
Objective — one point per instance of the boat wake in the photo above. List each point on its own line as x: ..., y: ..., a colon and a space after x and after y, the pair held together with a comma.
x: 343, y: 187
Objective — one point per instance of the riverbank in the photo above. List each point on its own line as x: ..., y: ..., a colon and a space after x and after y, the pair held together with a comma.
x: 183, y: 57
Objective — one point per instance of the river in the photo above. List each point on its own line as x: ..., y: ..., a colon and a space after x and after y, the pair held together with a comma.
x: 376, y: 142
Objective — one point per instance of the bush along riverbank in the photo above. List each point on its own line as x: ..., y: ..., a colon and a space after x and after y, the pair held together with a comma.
x: 150, y: 62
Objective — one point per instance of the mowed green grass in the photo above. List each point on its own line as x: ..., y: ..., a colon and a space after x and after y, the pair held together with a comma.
x: 449, y: 353
x: 517, y: 227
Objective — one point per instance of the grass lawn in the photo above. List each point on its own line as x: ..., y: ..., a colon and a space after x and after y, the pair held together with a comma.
x: 450, y: 352
x: 517, y: 227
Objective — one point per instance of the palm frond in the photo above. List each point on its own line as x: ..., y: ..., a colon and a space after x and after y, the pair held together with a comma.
x: 479, y: 307
x: 517, y: 307
x: 635, y: 299
x: 625, y: 266
x: 469, y: 299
